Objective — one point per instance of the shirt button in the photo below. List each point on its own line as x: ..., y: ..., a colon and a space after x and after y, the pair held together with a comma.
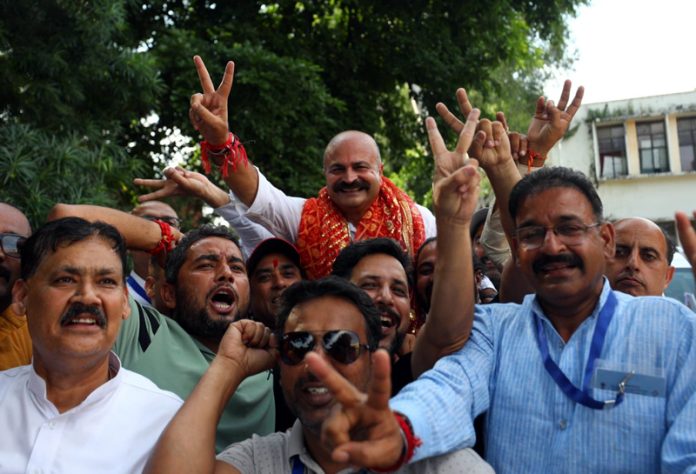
x: 563, y: 424
x: 51, y: 424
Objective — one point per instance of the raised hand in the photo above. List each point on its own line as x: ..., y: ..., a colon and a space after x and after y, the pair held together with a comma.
x: 208, y: 111
x: 361, y: 428
x: 181, y: 182
x: 249, y: 345
x: 456, y: 179
x: 550, y: 122
x: 495, y: 144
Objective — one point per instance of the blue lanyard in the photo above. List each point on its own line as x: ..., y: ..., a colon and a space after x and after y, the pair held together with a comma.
x: 574, y: 393
x: 297, y: 465
x: 138, y: 289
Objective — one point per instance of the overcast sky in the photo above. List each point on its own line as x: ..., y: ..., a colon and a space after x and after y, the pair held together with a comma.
x: 631, y: 48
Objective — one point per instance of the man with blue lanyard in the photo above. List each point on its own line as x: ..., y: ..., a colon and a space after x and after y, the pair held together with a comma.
x: 578, y: 378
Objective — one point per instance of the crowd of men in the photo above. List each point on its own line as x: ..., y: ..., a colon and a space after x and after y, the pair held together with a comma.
x: 355, y: 330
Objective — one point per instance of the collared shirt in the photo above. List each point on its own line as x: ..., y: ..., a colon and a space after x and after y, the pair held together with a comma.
x: 136, y: 288
x: 113, y: 430
x: 281, y: 214
x: 15, y: 342
x: 531, y: 425
x: 277, y: 452
x: 155, y: 346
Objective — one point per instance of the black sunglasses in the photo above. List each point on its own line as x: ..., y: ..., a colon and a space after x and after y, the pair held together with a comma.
x: 11, y: 243
x: 343, y: 346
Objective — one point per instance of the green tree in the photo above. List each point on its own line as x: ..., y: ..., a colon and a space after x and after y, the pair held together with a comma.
x: 73, y: 82
x: 368, y: 65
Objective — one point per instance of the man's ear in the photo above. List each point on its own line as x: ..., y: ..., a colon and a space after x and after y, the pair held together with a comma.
x: 607, y: 234
x: 668, y: 276
x: 19, y: 296
x: 168, y: 293
x: 126, y: 304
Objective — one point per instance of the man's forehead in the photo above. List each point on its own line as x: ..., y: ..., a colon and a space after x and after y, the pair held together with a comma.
x: 214, y: 246
x: 314, y: 315
x: 155, y: 208
x: 380, y: 266
x: 13, y: 221
x: 273, y: 260
x: 100, y: 257
x: 352, y: 146
x: 641, y: 232
x: 567, y: 204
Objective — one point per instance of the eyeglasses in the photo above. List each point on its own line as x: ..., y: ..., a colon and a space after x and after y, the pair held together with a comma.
x: 10, y: 244
x: 570, y: 233
x: 343, y: 346
x: 172, y: 221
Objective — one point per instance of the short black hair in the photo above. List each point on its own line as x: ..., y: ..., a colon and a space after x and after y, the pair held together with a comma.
x: 65, y: 232
x: 671, y: 246
x: 350, y: 255
x: 177, y: 257
x: 555, y: 177
x: 308, y: 290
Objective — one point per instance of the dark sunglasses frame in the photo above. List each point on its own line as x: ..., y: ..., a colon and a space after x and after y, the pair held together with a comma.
x: 292, y: 353
x: 17, y: 244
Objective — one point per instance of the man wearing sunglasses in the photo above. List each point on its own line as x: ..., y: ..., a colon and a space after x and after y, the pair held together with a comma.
x: 330, y: 318
x: 15, y: 343
x: 152, y: 210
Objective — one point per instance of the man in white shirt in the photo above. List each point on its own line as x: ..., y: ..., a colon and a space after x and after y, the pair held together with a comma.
x: 75, y: 409
x: 357, y: 203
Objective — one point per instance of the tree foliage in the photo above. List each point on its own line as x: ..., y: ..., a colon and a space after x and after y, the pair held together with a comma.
x: 87, y: 73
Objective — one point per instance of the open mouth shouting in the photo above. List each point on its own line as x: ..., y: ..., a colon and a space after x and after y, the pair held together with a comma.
x: 390, y: 320
x: 222, y: 300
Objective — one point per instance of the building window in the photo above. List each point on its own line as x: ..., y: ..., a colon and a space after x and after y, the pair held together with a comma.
x: 612, y: 152
x: 652, y: 144
x: 686, y: 128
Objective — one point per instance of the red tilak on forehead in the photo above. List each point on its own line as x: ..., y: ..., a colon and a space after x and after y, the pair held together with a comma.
x: 275, y: 263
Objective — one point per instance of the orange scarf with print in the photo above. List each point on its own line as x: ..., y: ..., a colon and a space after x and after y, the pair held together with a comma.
x: 324, y: 231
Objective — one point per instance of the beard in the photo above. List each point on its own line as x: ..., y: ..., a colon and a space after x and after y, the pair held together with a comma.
x: 396, y: 342
x: 196, y: 321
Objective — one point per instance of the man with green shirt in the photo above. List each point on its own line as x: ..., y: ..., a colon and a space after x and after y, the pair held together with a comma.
x: 206, y: 289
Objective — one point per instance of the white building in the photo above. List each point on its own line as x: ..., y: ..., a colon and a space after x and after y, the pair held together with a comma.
x: 641, y: 154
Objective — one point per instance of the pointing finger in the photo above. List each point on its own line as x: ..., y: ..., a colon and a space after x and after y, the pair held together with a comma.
x: 437, y: 145
x: 463, y: 101
x: 577, y: 102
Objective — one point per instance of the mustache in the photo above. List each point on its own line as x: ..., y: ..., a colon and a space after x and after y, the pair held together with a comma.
x: 565, y: 258
x: 357, y: 185
x: 77, y: 309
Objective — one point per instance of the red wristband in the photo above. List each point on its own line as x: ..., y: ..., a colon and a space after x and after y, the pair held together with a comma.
x: 411, y: 442
x: 231, y: 152
x: 166, y: 243
x: 531, y: 156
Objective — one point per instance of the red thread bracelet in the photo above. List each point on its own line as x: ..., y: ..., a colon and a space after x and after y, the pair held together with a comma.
x: 232, y: 151
x: 166, y: 243
x: 531, y: 156
x: 411, y: 442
